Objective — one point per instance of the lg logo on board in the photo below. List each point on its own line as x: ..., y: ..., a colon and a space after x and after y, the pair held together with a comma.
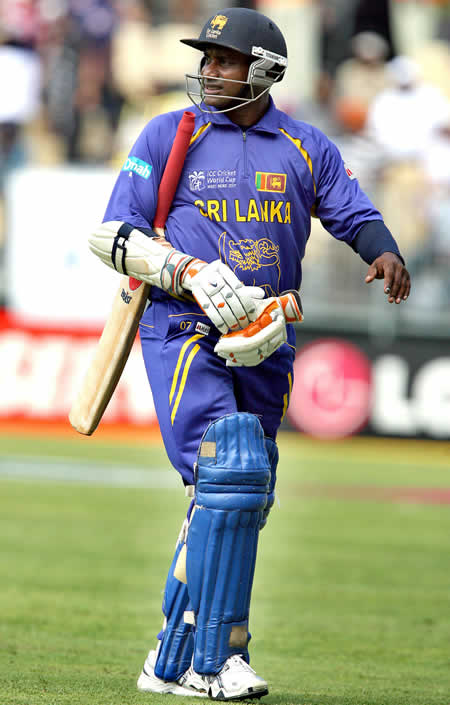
x: 337, y: 390
x: 331, y: 397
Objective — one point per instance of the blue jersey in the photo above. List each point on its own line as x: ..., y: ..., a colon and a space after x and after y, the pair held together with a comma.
x: 245, y: 197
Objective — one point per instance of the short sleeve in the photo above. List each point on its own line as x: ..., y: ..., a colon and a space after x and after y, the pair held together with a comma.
x: 134, y: 197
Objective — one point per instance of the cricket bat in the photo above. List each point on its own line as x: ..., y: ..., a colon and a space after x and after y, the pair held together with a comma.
x: 120, y: 329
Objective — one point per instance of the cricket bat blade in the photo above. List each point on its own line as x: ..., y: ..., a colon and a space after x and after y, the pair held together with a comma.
x: 110, y: 356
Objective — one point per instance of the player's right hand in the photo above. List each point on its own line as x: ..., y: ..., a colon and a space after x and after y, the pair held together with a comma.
x: 228, y: 303
x: 250, y: 347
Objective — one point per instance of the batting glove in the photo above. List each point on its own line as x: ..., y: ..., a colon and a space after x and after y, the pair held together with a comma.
x: 228, y: 303
x: 249, y: 347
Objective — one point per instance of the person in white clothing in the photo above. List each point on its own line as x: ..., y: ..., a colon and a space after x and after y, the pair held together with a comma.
x: 402, y: 118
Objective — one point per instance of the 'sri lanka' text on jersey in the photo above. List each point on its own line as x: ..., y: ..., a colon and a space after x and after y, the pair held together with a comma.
x: 263, y: 211
x: 244, y: 197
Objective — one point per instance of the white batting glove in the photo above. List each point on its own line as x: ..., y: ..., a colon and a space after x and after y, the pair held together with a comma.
x: 249, y: 347
x: 228, y: 303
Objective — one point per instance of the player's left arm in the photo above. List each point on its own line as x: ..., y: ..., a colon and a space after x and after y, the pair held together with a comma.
x: 349, y: 215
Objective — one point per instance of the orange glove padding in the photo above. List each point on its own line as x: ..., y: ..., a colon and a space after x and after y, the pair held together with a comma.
x: 255, y: 343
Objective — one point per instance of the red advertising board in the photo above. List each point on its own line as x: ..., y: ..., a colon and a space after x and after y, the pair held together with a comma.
x: 41, y: 368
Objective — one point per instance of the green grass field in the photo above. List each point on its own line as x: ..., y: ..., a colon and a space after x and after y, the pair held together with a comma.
x: 351, y: 600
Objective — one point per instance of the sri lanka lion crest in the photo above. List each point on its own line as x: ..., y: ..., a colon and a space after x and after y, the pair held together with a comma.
x: 216, y: 26
x: 219, y: 22
x: 250, y: 255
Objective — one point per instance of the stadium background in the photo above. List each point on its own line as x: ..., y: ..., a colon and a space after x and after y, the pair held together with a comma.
x: 82, y: 77
x: 351, y: 600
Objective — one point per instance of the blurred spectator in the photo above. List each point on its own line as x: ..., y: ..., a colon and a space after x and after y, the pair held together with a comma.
x: 20, y: 86
x: 184, y: 10
x: 341, y: 106
x: 189, y: 12
x: 60, y: 51
x: 19, y: 20
x: 431, y: 261
x: 337, y: 25
x: 135, y: 66
x: 402, y: 117
x: 176, y: 57
x: 443, y: 31
x: 433, y: 58
x: 400, y: 122
x: 361, y: 155
x: 359, y: 79
x: 82, y: 102
x: 319, y: 110
x: 97, y: 103
x: 96, y: 19
x: 20, y: 79
x: 135, y: 59
x: 148, y: 66
x: 96, y: 108
x: 436, y: 159
x: 375, y: 17
x: 354, y: 42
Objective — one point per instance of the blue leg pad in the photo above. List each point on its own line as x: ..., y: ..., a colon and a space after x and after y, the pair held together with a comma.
x: 233, y: 476
x: 272, y: 453
x: 177, y: 639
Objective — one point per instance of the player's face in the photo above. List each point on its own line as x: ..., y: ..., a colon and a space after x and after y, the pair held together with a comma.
x: 221, y: 66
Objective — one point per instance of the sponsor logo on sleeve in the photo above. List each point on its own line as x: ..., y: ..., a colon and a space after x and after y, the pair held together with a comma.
x: 350, y: 173
x: 266, y: 181
x: 137, y: 166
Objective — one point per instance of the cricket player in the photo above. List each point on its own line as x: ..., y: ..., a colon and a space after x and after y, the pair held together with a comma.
x: 217, y: 337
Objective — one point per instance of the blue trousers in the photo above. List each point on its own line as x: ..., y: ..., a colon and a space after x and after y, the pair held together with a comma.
x: 192, y: 386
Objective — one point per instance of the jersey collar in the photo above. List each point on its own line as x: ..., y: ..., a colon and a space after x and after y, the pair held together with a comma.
x: 269, y: 122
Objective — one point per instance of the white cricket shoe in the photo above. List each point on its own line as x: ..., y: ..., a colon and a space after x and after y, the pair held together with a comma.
x: 236, y: 681
x: 190, y: 683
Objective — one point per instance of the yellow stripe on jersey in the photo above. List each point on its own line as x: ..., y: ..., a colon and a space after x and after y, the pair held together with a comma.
x: 186, y: 313
x: 302, y: 150
x: 191, y: 356
x: 199, y: 132
x: 190, y: 340
x: 287, y: 396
